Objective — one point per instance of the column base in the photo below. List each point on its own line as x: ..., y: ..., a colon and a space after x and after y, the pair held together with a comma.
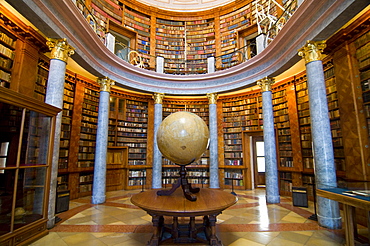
x: 50, y: 223
x: 97, y: 199
x: 272, y: 199
x: 330, y: 223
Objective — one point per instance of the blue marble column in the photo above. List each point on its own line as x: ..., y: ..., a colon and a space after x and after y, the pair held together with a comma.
x: 213, y: 143
x: 100, y: 166
x: 157, y: 155
x: 272, y: 180
x: 325, y: 173
x: 60, y: 51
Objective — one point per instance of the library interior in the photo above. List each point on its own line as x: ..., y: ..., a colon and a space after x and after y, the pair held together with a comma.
x: 270, y: 143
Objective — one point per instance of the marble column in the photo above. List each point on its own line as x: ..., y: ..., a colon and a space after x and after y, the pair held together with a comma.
x: 213, y: 143
x: 272, y: 180
x: 100, y: 166
x: 157, y: 155
x: 325, y: 173
x: 60, y: 50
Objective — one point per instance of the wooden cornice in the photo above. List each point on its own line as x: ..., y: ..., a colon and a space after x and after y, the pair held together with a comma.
x: 357, y: 28
x: 19, y: 30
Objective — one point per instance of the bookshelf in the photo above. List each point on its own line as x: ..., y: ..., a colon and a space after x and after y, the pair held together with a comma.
x: 200, y: 44
x: 65, y: 134
x: 170, y: 44
x: 140, y: 23
x: 7, y: 53
x: 133, y: 132
x: 239, y: 115
x: 362, y: 55
x: 41, y: 78
x: 88, y: 128
x: 128, y: 132
x: 281, y: 120
x: 230, y: 24
x: 197, y: 174
x: 334, y: 115
x: 234, y: 178
x: 304, y: 121
x: 136, y: 178
x: 103, y: 12
x: 85, y: 184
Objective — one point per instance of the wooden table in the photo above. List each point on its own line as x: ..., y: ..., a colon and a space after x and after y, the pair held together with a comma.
x: 350, y: 203
x: 209, y: 204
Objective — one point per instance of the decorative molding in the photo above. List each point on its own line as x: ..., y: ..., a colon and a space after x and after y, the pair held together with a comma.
x: 312, y: 51
x: 105, y: 84
x: 60, y: 49
x: 158, y: 97
x: 212, y: 98
x: 266, y: 83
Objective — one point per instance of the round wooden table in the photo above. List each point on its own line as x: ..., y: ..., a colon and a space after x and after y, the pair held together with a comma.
x: 209, y: 204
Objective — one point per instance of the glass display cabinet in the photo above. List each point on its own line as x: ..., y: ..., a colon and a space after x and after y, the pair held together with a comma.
x: 26, y: 139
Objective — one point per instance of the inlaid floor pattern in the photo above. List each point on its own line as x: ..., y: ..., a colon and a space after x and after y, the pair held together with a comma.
x: 250, y: 222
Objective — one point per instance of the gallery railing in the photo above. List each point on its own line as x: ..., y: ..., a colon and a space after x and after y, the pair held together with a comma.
x: 191, y: 67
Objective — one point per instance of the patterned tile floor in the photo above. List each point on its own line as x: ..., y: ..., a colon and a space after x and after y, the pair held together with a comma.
x: 250, y: 222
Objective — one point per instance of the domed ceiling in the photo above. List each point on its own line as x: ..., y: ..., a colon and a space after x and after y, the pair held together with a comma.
x: 185, y: 5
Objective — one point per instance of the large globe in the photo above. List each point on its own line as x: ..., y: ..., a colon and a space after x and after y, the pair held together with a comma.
x: 182, y: 137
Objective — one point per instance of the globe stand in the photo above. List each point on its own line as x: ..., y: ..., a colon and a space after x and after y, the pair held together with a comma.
x: 186, y: 187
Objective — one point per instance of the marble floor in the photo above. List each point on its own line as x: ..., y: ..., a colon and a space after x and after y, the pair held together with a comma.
x: 250, y: 222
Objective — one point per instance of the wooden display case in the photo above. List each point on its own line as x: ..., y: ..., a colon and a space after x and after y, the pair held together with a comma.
x: 26, y: 143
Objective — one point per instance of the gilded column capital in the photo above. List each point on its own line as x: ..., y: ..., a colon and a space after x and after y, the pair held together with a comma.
x: 212, y: 98
x: 105, y: 83
x: 60, y: 49
x: 266, y: 83
x: 158, y: 97
x: 312, y: 51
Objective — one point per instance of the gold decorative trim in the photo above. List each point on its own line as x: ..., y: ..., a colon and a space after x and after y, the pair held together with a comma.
x: 60, y: 49
x: 266, y: 83
x: 212, y: 98
x: 105, y: 83
x: 158, y: 97
x: 312, y: 51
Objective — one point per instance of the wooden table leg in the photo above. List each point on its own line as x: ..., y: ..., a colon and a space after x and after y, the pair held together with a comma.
x: 192, y: 228
x: 213, y: 240
x: 175, y: 228
x: 157, y: 230
x: 348, y: 224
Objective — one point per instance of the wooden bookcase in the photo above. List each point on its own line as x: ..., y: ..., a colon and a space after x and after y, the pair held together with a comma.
x: 140, y: 23
x: 7, y: 47
x: 128, y: 128
x: 362, y: 45
x: 27, y: 131
x: 41, y: 79
x: 200, y: 44
x: 239, y: 114
x: 170, y: 44
x: 334, y: 115
x: 230, y: 24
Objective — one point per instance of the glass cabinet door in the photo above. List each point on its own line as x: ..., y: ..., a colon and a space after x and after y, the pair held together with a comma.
x: 24, y: 163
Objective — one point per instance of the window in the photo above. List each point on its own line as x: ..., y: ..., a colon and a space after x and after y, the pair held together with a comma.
x: 260, y: 151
